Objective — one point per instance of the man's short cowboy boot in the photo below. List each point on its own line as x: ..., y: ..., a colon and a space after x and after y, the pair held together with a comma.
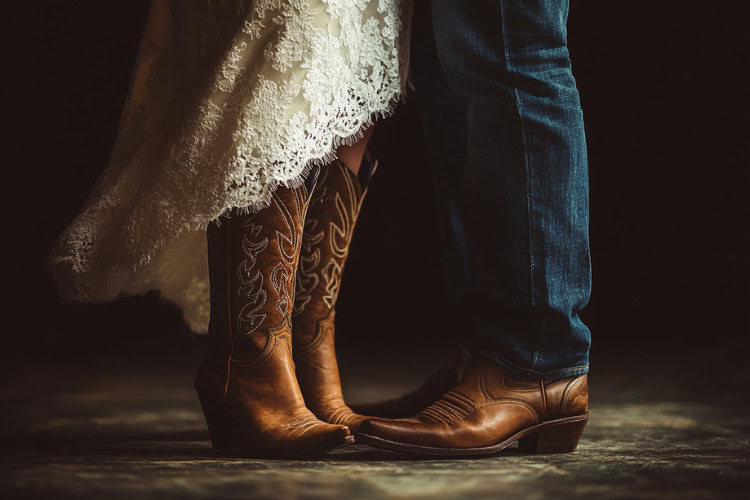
x: 246, y: 382
x: 333, y: 212
x: 487, y: 411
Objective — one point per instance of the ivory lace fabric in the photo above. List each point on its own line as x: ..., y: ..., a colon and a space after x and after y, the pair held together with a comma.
x: 228, y: 99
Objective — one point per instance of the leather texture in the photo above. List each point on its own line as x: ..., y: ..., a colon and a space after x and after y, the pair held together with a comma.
x: 248, y: 373
x: 487, y: 407
x: 329, y: 226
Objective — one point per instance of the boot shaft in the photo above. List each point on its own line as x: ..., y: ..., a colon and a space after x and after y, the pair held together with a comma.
x: 253, y: 260
x: 334, y: 208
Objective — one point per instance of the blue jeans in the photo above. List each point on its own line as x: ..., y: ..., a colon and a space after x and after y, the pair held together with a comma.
x: 504, y: 126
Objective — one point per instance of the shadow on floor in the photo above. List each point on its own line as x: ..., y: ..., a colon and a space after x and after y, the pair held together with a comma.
x: 115, y: 431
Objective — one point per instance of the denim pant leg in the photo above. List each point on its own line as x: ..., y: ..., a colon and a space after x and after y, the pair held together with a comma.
x: 523, y: 190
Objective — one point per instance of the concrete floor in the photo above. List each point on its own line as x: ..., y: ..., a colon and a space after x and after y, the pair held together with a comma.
x: 127, y: 432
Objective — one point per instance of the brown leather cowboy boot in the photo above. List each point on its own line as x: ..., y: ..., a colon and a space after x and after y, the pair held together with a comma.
x: 330, y: 222
x: 415, y: 401
x: 486, y: 412
x: 246, y: 382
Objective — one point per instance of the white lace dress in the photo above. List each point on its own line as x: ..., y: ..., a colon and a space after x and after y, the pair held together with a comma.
x: 228, y: 99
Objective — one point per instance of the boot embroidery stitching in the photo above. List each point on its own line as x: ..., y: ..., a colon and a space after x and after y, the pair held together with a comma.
x: 324, y: 327
x: 285, y: 335
x: 272, y: 341
x: 251, y: 285
x: 340, y: 236
x: 566, y: 394
x: 450, y: 409
x: 302, y: 422
x: 428, y: 414
x: 307, y: 278
x: 287, y: 243
x: 483, y: 385
x: 462, y: 398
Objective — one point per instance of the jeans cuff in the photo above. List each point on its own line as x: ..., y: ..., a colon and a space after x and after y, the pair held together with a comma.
x: 547, y: 376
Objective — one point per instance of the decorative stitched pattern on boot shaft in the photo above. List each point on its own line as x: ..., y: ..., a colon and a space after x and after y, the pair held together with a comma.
x: 251, y: 282
x: 329, y: 225
x: 262, y: 253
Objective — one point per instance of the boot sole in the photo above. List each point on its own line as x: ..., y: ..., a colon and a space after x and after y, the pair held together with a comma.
x: 554, y: 436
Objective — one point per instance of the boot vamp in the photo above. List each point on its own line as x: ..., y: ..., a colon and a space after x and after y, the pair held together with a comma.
x: 266, y: 402
x: 484, y: 426
x: 336, y: 412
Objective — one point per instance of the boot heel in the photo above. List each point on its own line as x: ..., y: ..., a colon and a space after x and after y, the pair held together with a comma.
x: 222, y: 427
x: 560, y: 438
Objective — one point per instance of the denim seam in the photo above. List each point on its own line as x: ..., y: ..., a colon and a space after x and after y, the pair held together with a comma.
x: 519, y: 109
x: 500, y: 359
x: 526, y: 166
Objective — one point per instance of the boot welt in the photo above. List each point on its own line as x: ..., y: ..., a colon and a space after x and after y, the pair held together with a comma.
x: 554, y: 436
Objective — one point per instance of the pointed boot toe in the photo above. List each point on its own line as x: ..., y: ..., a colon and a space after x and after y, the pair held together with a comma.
x: 384, y: 433
x: 314, y: 439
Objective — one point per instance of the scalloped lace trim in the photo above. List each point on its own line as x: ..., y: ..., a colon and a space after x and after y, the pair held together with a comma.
x: 228, y: 99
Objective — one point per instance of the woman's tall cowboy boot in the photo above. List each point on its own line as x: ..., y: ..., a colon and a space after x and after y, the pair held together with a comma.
x: 246, y: 382
x: 330, y: 222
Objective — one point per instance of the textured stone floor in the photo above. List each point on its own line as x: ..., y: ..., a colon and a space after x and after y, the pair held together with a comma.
x: 123, y: 432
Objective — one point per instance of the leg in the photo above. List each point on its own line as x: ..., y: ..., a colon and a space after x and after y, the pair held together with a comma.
x: 524, y: 188
x: 523, y: 199
x: 352, y: 154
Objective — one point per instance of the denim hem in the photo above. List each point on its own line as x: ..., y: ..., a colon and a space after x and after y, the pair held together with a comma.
x: 521, y: 372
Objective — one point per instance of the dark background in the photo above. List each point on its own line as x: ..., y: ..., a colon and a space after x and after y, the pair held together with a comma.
x: 664, y: 105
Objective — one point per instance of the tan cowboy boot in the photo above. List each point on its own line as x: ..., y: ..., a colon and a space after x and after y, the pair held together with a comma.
x: 246, y: 382
x: 329, y: 226
x: 487, y: 411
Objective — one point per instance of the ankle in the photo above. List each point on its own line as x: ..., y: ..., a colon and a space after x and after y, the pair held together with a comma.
x: 352, y: 155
